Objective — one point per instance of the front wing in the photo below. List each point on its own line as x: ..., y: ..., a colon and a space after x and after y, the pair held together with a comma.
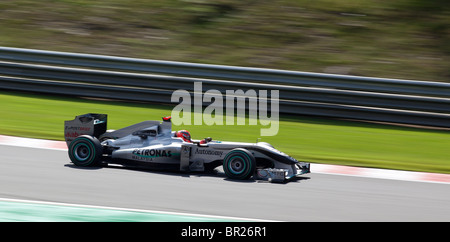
x: 283, y: 175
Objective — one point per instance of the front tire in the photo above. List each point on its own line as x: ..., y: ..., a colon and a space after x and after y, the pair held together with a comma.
x: 239, y: 164
x: 85, y: 151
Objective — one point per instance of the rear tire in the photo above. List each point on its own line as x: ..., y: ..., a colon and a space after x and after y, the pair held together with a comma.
x: 85, y: 151
x: 239, y: 164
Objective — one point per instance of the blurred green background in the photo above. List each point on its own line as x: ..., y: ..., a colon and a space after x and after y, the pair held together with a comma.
x: 407, y: 39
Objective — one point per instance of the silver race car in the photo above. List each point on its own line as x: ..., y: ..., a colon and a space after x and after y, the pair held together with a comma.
x: 153, y: 144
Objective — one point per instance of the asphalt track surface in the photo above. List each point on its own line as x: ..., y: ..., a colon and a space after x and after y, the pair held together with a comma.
x: 48, y: 175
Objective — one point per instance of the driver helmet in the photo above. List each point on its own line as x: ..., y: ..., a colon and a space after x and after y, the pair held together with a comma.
x: 184, y: 134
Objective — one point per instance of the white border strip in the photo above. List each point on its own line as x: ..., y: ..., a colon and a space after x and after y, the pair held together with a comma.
x: 33, y: 143
x: 315, y: 168
x: 381, y: 173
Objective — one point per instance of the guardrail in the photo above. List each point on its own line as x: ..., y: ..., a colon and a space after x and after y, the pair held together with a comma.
x: 377, y: 99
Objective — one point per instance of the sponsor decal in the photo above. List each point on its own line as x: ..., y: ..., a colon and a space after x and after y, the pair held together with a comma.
x: 152, y: 153
x: 75, y: 131
x: 208, y: 152
x: 72, y: 134
x: 78, y: 128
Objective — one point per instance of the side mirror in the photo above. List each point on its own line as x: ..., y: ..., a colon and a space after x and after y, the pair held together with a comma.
x: 204, y: 142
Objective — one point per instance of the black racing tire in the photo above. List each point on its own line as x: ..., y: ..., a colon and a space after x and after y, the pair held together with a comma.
x: 239, y: 164
x: 85, y: 151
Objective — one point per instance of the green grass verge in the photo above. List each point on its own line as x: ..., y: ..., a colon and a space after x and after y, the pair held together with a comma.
x: 305, y: 138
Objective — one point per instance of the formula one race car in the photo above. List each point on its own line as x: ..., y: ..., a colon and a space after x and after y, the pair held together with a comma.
x: 153, y: 144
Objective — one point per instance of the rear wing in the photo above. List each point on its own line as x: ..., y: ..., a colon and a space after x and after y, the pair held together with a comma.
x: 93, y: 124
